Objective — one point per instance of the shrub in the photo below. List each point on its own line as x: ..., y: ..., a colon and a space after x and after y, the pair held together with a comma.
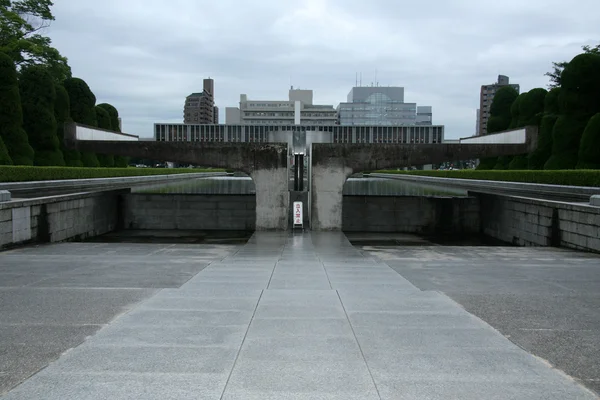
x: 566, y: 137
x: 104, y: 122
x: 4, y: 157
x: 62, y: 113
x: 11, y: 115
x: 589, y: 149
x: 538, y: 158
x: 37, y: 98
x: 82, y: 102
x: 27, y: 173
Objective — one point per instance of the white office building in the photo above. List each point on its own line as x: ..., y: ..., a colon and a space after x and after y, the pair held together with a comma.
x: 297, y: 110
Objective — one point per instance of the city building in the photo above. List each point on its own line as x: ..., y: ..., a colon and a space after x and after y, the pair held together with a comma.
x: 297, y: 110
x: 385, y: 106
x: 486, y: 97
x: 252, y: 133
x: 199, y: 107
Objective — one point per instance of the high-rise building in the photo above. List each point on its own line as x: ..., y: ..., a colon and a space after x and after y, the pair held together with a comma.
x: 297, y: 110
x: 486, y: 97
x: 378, y: 105
x: 215, y: 114
x: 199, y: 107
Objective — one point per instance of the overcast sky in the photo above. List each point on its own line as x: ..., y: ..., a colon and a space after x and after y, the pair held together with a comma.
x: 146, y: 56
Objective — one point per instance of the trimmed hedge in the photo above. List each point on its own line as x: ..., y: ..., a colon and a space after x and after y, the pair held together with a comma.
x: 11, y: 173
x: 581, y: 177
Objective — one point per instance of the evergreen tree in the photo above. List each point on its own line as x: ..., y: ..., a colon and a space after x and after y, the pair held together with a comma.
x: 4, y: 157
x: 104, y: 122
x: 82, y: 102
x: 11, y: 115
x: 38, y: 96
x: 62, y: 113
x: 120, y: 161
x: 589, y: 150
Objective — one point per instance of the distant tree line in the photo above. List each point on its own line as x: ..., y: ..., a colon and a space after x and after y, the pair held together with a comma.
x: 567, y: 116
x: 38, y: 95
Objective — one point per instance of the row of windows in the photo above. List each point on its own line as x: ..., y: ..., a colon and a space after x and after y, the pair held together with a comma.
x: 340, y: 134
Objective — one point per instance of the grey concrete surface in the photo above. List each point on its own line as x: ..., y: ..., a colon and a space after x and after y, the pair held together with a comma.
x: 544, y: 300
x: 52, y: 298
x: 304, y: 316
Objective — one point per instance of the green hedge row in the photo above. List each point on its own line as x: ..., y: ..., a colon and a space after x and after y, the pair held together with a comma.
x: 581, y: 177
x: 26, y: 173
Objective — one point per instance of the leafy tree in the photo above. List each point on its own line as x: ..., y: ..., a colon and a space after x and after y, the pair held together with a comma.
x: 557, y: 67
x: 589, y: 150
x: 21, y: 22
x: 11, y: 115
x: 120, y: 161
x: 62, y: 113
x: 566, y: 136
x: 519, y: 162
x: 538, y: 158
x: 531, y: 108
x: 37, y: 98
x: 104, y: 122
x: 551, y: 103
x: 515, y: 111
x: 581, y: 85
x: 4, y: 157
x: 82, y: 102
x: 500, y: 116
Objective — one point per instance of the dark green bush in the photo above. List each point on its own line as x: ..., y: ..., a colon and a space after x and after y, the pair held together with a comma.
x: 38, y: 96
x: 25, y: 174
x: 589, y: 150
x: 11, y: 115
x: 566, y: 137
x: 62, y: 113
x: 4, y: 157
x: 104, y: 122
x: 538, y: 158
x: 82, y: 102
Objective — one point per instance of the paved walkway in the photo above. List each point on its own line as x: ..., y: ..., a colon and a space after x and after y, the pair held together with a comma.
x: 298, y: 317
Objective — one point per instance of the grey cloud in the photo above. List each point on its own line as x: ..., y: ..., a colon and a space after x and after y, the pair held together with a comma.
x: 145, y: 56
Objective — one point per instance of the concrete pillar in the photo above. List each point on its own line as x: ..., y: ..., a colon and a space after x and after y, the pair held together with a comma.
x: 272, y: 198
x: 327, y: 191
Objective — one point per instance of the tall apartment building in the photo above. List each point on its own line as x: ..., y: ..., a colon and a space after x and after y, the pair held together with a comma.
x: 200, y: 107
x: 377, y: 105
x: 297, y: 110
x: 486, y: 97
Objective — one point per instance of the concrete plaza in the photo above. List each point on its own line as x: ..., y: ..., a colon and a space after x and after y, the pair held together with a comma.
x: 297, y: 317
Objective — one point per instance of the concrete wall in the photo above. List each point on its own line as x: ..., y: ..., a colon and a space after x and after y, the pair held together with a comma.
x: 189, y: 212
x: 58, y: 218
x: 531, y: 222
x: 411, y: 214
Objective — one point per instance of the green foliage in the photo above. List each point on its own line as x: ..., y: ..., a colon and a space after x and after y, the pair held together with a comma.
x: 519, y: 162
x: 82, y: 102
x: 500, y: 108
x: 104, y: 122
x: 37, y: 97
x: 487, y: 163
x: 557, y: 67
x: 566, y: 137
x: 120, y: 161
x: 11, y: 115
x: 26, y: 174
x: 538, y: 158
x: 114, y: 116
x: 20, y: 24
x: 62, y: 113
x: 551, y: 103
x: 580, y: 85
x: 580, y: 177
x: 4, y: 157
x: 531, y: 107
x: 515, y: 111
x: 589, y: 150
x: 502, y: 162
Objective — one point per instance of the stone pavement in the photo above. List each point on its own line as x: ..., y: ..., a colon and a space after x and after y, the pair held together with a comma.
x: 298, y: 317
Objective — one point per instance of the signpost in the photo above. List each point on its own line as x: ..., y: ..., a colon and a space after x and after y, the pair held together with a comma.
x: 297, y: 215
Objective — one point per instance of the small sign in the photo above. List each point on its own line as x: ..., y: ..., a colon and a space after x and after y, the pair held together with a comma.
x: 297, y: 213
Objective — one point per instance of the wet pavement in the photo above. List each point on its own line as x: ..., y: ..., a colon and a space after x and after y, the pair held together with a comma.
x: 283, y: 317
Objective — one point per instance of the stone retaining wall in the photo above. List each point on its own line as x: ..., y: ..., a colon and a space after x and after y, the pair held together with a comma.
x: 531, y: 222
x: 189, y: 212
x: 411, y: 214
x: 59, y: 218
